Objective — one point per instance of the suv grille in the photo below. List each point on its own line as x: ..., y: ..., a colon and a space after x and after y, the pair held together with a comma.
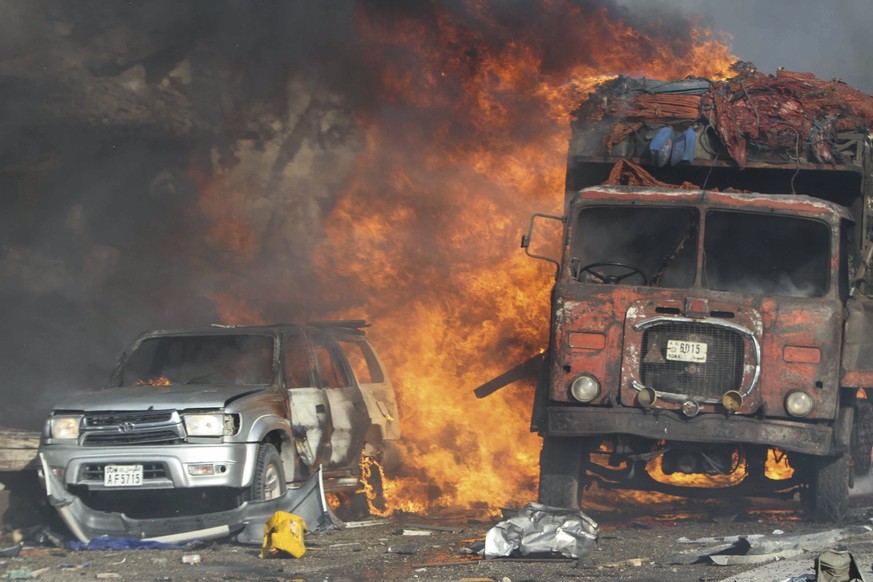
x: 722, y: 370
x: 132, y: 428
x: 115, y: 418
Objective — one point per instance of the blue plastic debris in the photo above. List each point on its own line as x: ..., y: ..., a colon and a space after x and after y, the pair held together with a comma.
x: 683, y: 148
x: 110, y: 543
x: 661, y: 146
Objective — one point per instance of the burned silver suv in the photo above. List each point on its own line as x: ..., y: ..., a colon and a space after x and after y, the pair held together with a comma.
x: 197, y: 425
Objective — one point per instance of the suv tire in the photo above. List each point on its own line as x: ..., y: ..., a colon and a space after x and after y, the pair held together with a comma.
x: 269, y: 481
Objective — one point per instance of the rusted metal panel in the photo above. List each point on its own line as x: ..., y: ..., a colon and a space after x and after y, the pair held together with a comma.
x: 790, y: 436
x: 858, y: 348
x: 806, y: 323
x: 796, y: 204
x: 775, y: 323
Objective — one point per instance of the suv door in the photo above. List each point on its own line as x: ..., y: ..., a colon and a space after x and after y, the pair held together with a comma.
x: 348, y: 412
x: 310, y: 410
x: 374, y: 384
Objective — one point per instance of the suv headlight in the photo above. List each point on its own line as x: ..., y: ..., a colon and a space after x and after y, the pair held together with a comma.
x: 64, y: 427
x: 205, y: 424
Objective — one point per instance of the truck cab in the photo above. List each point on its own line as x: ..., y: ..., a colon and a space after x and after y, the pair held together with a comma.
x: 706, y: 319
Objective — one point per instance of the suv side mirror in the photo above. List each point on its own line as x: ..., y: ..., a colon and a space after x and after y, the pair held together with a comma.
x: 526, y: 239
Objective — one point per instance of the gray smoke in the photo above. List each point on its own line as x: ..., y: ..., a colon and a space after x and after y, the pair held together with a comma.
x: 829, y: 39
x: 118, y: 116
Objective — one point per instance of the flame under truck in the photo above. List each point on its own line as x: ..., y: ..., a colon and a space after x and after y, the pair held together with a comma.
x: 710, y: 313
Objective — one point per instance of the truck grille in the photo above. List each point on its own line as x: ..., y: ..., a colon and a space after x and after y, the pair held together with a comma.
x: 132, y: 428
x: 722, y: 370
x: 149, y: 471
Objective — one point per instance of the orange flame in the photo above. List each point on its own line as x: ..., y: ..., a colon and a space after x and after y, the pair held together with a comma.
x: 159, y: 381
x: 776, y: 467
x: 464, y: 138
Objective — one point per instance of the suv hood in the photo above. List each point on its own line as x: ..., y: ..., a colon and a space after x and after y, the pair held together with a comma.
x: 156, y: 397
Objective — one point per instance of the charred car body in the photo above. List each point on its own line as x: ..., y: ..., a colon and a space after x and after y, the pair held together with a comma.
x: 195, y: 425
x: 699, y: 329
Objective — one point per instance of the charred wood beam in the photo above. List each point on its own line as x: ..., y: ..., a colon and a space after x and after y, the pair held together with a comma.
x: 528, y: 369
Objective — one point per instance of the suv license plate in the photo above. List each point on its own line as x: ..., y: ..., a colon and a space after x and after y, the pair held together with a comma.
x: 683, y: 351
x: 122, y: 476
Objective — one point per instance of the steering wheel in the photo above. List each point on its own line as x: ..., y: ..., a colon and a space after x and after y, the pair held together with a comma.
x: 612, y: 279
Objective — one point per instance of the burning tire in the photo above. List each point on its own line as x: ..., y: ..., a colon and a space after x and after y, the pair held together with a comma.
x: 269, y: 481
x: 561, y: 469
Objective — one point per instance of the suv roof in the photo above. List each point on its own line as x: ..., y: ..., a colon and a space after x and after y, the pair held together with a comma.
x: 354, y: 326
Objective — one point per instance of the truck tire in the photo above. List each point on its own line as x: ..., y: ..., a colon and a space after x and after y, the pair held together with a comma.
x: 862, y: 437
x: 269, y: 481
x: 830, y: 487
x: 561, y: 470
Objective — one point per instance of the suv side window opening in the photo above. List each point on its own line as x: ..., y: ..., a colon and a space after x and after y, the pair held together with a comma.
x: 298, y: 371
x: 330, y: 369
x: 363, y: 361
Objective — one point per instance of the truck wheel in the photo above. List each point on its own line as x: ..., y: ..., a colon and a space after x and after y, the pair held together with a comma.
x: 269, y: 481
x: 862, y: 437
x: 830, y: 487
x: 561, y: 470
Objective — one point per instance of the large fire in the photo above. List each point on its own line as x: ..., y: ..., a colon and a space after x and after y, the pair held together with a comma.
x: 465, y: 129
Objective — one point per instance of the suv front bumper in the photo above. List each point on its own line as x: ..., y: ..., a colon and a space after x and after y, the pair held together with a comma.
x: 233, y: 464
x: 246, y: 522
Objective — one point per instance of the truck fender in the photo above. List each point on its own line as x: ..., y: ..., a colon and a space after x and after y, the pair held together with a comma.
x: 844, y: 423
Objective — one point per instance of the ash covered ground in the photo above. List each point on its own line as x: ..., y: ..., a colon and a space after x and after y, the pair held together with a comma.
x: 636, y: 544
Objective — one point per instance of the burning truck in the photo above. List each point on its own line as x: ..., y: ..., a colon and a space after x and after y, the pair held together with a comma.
x: 711, y: 313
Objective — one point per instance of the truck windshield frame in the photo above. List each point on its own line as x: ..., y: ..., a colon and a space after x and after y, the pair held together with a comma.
x: 615, y: 243
x: 740, y: 251
x: 214, y: 359
x: 747, y: 253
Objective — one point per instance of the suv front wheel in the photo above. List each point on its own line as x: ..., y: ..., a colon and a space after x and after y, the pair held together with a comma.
x: 269, y: 481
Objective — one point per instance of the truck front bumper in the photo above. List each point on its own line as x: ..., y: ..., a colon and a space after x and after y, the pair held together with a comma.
x: 800, y: 437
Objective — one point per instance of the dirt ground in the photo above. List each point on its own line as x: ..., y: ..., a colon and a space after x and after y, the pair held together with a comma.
x: 635, y: 540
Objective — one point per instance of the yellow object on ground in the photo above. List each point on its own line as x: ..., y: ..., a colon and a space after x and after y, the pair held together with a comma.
x: 283, y: 534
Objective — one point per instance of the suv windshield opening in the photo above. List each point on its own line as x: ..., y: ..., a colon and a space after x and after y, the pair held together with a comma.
x: 631, y: 245
x: 241, y: 359
x: 766, y: 254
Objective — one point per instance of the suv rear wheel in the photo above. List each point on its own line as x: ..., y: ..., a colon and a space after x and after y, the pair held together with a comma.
x: 269, y: 481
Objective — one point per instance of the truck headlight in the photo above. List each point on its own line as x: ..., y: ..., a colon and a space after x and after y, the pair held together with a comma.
x: 798, y: 403
x: 64, y: 427
x: 204, y: 424
x: 585, y: 388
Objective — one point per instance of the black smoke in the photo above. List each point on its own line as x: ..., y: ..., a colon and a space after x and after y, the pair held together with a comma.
x: 117, y: 115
